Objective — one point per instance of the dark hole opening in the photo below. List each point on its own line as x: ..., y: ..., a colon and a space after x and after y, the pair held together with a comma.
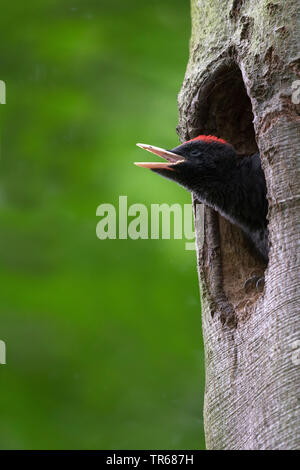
x: 224, y: 110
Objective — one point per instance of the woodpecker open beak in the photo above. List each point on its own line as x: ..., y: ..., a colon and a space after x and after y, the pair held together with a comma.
x: 172, y: 158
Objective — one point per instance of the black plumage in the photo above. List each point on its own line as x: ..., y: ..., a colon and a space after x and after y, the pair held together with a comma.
x: 233, y: 186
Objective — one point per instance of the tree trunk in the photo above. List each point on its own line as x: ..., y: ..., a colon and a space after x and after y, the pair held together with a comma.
x: 241, y: 85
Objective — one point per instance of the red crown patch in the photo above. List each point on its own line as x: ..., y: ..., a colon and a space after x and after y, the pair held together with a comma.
x: 208, y: 138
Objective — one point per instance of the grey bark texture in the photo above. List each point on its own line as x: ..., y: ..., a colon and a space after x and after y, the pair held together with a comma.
x: 241, y: 85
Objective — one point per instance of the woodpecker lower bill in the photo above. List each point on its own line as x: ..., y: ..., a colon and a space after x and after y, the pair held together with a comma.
x: 209, y: 168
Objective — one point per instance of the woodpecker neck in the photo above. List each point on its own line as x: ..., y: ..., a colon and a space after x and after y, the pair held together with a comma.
x: 237, y: 196
x: 222, y: 194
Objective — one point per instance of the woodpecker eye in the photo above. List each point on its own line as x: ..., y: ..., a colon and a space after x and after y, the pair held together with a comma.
x: 194, y: 153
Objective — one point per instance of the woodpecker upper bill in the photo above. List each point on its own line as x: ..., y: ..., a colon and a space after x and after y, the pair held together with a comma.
x: 172, y: 158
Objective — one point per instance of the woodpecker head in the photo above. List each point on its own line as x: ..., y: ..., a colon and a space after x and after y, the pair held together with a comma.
x: 199, y: 162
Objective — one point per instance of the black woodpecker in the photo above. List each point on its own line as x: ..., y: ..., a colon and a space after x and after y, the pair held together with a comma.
x: 209, y: 168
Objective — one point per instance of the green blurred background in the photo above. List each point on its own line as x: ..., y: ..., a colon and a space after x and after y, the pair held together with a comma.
x: 104, y: 346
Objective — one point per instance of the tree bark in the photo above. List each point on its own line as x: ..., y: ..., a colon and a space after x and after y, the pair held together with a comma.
x: 240, y: 85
